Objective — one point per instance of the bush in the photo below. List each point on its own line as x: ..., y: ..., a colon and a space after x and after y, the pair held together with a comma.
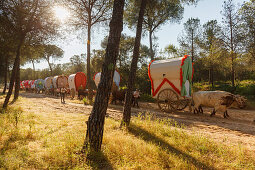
x: 147, y: 98
x: 245, y: 87
x: 86, y: 101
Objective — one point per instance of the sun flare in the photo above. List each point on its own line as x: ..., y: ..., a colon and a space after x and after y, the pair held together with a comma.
x: 61, y: 13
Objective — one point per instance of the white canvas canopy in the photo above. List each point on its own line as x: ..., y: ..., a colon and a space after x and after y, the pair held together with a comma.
x: 39, y: 84
x: 31, y: 82
x: 62, y: 82
x: 33, y: 85
x: 171, y: 73
x: 71, y: 81
x: 22, y: 84
x: 54, y: 80
x: 116, y: 78
x: 48, y: 82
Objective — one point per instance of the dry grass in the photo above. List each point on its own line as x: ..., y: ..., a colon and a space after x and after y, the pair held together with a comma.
x: 31, y: 140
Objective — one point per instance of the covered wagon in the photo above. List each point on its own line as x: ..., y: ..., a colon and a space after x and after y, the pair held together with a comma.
x: 77, y: 82
x: 54, y: 81
x: 48, y: 84
x: 116, y: 78
x: 26, y: 84
x: 22, y: 86
x: 62, y: 82
x: 59, y: 82
x: 39, y: 85
x: 30, y: 84
x: 33, y: 86
x: 171, y: 82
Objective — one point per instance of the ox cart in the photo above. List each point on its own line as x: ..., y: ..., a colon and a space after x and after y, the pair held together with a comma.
x: 48, y: 83
x: 39, y: 85
x: 116, y: 93
x: 59, y: 82
x: 77, y: 83
x: 116, y: 78
x: 171, y: 82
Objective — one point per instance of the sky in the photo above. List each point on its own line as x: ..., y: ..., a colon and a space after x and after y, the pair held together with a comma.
x: 205, y: 10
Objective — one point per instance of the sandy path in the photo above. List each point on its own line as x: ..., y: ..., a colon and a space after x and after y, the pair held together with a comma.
x: 236, y: 130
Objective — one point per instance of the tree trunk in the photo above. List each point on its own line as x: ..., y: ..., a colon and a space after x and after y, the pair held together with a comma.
x: 95, y: 124
x: 209, y: 74
x: 33, y: 75
x: 48, y: 60
x: 192, y: 50
x: 89, y: 81
x: 17, y: 80
x: 131, y: 79
x: 232, y: 51
x: 212, y: 81
x: 13, y: 74
x: 192, y: 46
x: 5, y: 74
x: 232, y: 70
x: 151, y: 50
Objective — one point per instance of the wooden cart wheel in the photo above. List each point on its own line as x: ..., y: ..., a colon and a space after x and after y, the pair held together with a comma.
x: 183, y: 103
x: 168, y: 100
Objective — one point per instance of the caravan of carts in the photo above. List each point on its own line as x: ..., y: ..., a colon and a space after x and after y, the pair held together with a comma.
x: 170, y: 83
x: 75, y: 84
x: 52, y: 85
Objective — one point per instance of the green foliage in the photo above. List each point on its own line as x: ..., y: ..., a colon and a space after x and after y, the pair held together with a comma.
x: 147, y: 98
x: 54, y: 52
x: 97, y: 61
x: 157, y: 13
x: 123, y: 87
x: 188, y: 37
x: 246, y: 87
x: 171, y: 51
x: 247, y: 14
x: 143, y: 82
x: 86, y: 101
x: 77, y: 63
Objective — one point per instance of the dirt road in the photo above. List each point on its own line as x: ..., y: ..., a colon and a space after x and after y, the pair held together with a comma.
x: 239, y: 129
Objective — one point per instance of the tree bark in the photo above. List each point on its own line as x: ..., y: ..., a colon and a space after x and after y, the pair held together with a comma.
x: 95, y: 124
x: 33, y: 63
x: 192, y: 50
x: 48, y: 60
x: 5, y: 74
x: 151, y: 50
x: 90, y: 96
x: 232, y: 70
x: 192, y: 46
x: 232, y: 50
x: 17, y: 80
x: 212, y: 81
x: 209, y: 74
x: 131, y: 79
x: 13, y: 74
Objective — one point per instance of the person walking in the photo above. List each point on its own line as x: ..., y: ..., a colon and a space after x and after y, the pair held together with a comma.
x: 62, y: 94
x: 136, y: 95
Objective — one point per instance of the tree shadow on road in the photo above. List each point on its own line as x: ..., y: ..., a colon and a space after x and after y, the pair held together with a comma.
x: 149, y: 137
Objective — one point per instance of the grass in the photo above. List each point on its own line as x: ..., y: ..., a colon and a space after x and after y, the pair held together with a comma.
x: 31, y: 140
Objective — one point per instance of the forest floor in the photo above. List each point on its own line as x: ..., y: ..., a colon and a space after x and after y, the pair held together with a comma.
x: 238, y: 129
